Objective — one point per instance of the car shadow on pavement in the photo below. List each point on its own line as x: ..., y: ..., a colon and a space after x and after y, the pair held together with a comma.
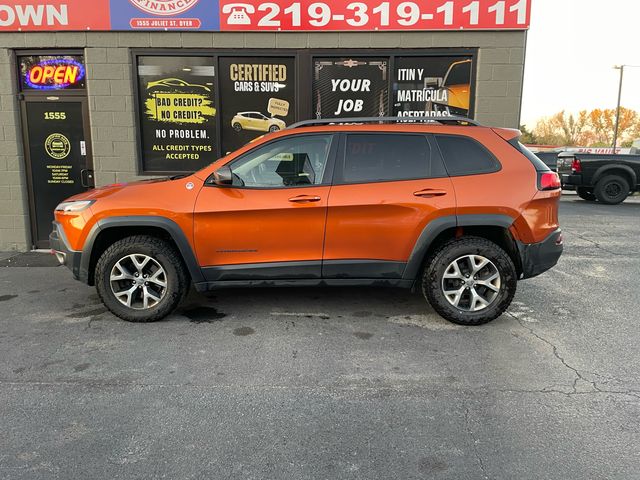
x: 393, y: 305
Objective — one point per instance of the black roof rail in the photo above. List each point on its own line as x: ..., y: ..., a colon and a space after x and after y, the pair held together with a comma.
x: 439, y: 120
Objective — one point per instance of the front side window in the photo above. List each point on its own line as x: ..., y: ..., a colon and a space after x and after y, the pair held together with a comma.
x: 465, y: 156
x: 388, y: 157
x: 292, y: 162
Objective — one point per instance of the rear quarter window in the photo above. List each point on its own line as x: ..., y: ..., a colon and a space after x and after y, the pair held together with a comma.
x: 466, y: 156
x: 532, y: 157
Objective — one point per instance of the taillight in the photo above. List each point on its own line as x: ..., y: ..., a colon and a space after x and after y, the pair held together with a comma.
x: 548, y: 181
x: 576, y: 166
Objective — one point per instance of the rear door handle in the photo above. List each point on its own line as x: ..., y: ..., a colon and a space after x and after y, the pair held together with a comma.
x: 305, y: 199
x: 429, y: 193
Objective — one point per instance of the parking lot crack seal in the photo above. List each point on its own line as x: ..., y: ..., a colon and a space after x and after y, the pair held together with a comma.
x: 474, y: 442
x: 595, y: 244
x: 579, y: 377
x: 93, y: 383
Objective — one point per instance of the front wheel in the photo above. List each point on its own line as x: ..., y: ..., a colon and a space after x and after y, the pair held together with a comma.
x: 141, y: 278
x: 237, y: 127
x: 274, y: 128
x: 469, y: 281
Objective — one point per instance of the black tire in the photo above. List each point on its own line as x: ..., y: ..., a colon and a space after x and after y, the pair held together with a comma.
x: 437, y: 264
x: 177, y: 280
x: 586, y: 194
x: 612, y: 190
x: 274, y: 128
x: 237, y: 127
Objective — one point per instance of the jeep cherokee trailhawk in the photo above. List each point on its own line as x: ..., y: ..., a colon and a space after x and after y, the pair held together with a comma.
x: 457, y: 210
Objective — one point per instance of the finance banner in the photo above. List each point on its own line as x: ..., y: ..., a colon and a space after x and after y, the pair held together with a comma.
x: 178, y: 15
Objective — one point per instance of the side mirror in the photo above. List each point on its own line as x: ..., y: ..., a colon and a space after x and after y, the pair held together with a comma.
x: 223, y: 176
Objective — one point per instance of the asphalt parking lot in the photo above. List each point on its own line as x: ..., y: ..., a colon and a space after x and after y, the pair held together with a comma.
x: 333, y: 383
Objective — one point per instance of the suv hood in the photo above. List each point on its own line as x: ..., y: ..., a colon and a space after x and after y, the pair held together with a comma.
x: 106, y: 190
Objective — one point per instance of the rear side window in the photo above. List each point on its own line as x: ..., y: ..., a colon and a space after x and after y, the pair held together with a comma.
x: 388, y: 157
x: 466, y: 156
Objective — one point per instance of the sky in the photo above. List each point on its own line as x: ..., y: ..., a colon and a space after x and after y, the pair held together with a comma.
x: 572, y: 47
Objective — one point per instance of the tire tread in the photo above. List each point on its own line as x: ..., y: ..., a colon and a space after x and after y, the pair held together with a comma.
x: 152, y: 243
x: 431, y: 287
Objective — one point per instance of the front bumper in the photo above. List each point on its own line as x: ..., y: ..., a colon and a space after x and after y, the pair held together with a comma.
x: 537, y: 258
x: 63, y: 252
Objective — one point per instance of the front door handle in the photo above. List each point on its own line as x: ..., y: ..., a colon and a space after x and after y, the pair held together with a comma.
x: 430, y: 193
x: 305, y: 199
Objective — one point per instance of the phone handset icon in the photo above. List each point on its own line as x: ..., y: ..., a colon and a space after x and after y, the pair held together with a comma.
x: 238, y: 13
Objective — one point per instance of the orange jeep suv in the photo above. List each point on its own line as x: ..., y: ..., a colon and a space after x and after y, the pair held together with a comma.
x: 452, y: 208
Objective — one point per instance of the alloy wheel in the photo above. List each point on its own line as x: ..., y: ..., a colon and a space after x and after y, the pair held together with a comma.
x: 138, y: 281
x: 471, y: 283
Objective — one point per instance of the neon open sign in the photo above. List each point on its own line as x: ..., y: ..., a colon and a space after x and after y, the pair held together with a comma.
x: 55, y: 74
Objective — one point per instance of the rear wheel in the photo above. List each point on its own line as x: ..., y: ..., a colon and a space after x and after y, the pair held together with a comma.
x: 469, y: 281
x: 586, y: 194
x: 141, y: 279
x: 612, y: 189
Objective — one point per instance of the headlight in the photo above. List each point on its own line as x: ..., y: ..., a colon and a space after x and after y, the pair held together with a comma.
x: 74, y: 206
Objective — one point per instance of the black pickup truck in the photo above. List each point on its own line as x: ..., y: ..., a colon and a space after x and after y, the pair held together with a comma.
x: 609, y: 179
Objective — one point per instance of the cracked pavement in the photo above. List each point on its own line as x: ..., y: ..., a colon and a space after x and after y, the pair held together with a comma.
x: 333, y: 383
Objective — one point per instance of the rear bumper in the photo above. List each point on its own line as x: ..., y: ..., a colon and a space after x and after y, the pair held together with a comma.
x: 570, y: 181
x: 63, y: 252
x: 537, y: 258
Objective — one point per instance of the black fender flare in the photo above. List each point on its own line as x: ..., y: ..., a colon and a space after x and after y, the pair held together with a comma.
x: 602, y: 171
x: 439, y: 225
x: 166, y: 224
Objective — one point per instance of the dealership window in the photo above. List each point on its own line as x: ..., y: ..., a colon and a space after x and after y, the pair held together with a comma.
x: 350, y: 87
x: 195, y: 107
x: 432, y: 86
x: 258, y: 96
x: 177, y: 113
